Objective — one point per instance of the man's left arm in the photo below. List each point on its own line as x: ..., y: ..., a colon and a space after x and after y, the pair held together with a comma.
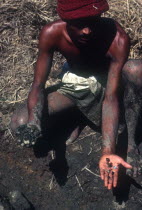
x: 109, y: 162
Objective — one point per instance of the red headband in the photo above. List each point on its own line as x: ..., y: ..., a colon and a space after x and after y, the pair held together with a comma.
x: 74, y: 9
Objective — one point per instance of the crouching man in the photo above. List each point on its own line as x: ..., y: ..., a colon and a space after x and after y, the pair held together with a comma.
x: 96, y: 49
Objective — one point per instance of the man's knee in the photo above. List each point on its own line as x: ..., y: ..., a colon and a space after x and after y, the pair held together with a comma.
x: 19, y: 117
x: 132, y: 71
x: 52, y: 103
x: 58, y: 102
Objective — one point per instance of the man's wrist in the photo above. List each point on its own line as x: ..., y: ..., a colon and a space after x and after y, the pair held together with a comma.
x: 107, y: 151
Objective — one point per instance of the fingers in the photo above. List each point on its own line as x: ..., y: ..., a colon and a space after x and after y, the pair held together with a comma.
x: 102, y: 174
x: 115, y: 177
x: 110, y: 180
x: 110, y: 177
x: 125, y: 164
x: 106, y: 178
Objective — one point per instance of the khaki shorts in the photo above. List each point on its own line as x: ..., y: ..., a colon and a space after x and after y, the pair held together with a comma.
x: 87, y: 94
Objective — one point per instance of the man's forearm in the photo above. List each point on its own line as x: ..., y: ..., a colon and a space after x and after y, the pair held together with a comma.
x: 35, y: 104
x: 110, y: 119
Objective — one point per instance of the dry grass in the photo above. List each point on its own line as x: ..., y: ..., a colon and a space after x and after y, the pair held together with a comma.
x: 129, y: 14
x: 21, y: 21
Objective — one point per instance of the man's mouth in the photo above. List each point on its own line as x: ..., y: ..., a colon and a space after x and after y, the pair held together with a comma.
x: 84, y: 39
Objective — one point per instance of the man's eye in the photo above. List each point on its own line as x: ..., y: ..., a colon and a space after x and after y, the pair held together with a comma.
x: 81, y: 26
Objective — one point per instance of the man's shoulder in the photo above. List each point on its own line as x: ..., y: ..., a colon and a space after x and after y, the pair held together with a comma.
x: 51, y: 35
x: 53, y: 29
x: 120, y: 45
x: 110, y: 23
x: 112, y: 27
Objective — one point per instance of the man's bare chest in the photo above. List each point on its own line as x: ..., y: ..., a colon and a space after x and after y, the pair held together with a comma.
x: 85, y: 56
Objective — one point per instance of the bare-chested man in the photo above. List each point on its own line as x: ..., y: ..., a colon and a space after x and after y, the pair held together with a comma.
x: 94, y: 47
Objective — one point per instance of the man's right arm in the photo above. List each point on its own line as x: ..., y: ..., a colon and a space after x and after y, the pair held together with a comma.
x: 42, y: 70
x: 31, y: 131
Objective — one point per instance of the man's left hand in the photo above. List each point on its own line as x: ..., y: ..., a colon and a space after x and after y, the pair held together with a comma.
x: 109, y: 168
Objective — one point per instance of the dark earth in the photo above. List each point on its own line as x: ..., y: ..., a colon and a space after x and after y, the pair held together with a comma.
x: 31, y: 178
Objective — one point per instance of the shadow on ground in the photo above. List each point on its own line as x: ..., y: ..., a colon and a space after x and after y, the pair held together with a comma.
x: 53, y: 176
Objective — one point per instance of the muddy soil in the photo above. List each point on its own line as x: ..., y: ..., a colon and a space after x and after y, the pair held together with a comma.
x: 70, y: 182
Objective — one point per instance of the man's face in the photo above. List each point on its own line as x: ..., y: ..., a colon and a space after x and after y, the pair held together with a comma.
x: 82, y: 30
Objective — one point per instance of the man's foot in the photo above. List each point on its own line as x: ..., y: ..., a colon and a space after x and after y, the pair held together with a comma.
x: 134, y: 159
x: 75, y: 134
x: 121, y: 128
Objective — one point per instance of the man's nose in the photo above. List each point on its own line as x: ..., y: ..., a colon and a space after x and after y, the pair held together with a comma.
x: 86, y: 30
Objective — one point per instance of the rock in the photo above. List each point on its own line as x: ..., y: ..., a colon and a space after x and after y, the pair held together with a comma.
x: 1, y: 114
x: 19, y: 201
x: 1, y: 206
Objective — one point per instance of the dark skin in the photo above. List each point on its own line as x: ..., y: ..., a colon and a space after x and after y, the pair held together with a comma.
x: 132, y: 76
x: 85, y: 42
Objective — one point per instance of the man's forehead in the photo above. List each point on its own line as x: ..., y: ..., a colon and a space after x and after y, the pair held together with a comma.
x: 86, y: 20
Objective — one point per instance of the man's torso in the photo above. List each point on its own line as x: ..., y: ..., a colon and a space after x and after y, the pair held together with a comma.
x: 86, y: 59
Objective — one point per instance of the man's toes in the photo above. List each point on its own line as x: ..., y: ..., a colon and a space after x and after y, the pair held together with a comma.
x: 129, y: 172
x: 19, y: 140
x: 70, y: 141
x: 74, y: 135
x: 135, y: 172
x: 140, y: 171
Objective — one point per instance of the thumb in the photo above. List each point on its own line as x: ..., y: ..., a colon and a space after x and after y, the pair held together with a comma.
x: 125, y: 164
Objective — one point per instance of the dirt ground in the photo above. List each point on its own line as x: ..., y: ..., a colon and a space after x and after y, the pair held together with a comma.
x: 29, y: 177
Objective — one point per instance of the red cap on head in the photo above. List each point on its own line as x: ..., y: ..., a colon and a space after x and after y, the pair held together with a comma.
x: 74, y: 9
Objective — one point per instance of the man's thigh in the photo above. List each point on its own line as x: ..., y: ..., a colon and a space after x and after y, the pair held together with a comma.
x: 88, y: 103
x: 58, y: 102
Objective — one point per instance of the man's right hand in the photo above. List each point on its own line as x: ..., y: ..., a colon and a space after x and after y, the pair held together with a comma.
x: 31, y: 131
x: 28, y: 134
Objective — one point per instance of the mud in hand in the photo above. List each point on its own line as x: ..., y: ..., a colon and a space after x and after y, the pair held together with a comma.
x: 109, y: 169
x: 28, y: 134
